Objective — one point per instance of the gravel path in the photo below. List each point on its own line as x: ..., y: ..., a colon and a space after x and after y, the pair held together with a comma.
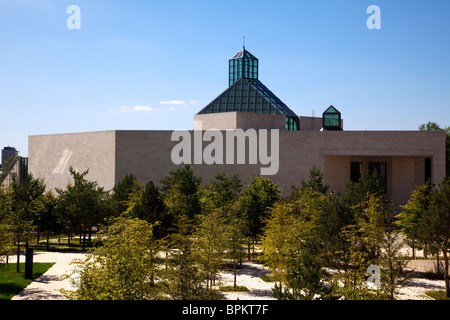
x: 46, y: 287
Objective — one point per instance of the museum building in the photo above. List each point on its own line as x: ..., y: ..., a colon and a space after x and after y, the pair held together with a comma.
x: 402, y: 159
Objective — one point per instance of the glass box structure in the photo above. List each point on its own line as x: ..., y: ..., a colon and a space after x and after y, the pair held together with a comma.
x: 331, y: 119
x: 247, y: 94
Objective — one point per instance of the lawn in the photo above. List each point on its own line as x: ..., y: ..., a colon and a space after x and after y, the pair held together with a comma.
x: 12, y: 282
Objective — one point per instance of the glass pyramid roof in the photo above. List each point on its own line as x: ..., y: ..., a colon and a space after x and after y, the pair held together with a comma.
x: 248, y: 95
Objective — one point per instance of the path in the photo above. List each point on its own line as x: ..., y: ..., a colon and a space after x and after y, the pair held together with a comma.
x: 46, y: 286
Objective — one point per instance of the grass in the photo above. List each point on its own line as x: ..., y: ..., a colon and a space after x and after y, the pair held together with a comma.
x: 231, y: 288
x: 268, y: 278
x: 11, y: 282
x: 437, y: 294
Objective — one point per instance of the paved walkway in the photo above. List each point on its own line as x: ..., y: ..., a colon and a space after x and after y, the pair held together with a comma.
x: 46, y: 286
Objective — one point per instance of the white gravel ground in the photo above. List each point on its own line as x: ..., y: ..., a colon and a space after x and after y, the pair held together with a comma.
x: 46, y: 287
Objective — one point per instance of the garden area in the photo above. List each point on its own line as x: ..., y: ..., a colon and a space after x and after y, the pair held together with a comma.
x: 193, y: 240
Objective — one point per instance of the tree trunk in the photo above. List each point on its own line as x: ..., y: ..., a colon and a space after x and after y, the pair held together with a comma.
x: 18, y: 254
x: 235, y: 272
x: 48, y: 240
x: 447, y: 285
x: 438, y: 264
x: 84, y: 240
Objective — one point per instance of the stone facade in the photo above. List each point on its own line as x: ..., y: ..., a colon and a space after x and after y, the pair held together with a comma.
x: 109, y: 155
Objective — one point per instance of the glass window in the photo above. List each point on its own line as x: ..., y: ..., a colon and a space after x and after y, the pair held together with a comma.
x: 331, y: 120
x: 355, y: 171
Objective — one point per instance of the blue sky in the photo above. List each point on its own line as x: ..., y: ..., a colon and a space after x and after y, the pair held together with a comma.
x: 151, y: 65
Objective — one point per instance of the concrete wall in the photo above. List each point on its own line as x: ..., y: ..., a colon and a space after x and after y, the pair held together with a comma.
x: 50, y: 156
x: 147, y: 154
x: 242, y: 120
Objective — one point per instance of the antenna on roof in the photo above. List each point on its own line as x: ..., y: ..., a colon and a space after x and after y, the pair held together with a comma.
x: 243, y: 42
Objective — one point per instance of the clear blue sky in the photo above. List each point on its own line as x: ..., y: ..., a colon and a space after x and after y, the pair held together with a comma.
x: 151, y: 65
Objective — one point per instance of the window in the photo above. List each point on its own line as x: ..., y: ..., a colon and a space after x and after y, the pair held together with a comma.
x: 381, y: 172
x: 427, y: 169
x: 355, y: 171
x: 331, y: 119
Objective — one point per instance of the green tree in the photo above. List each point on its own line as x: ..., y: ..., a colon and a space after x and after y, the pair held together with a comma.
x: 83, y: 204
x: 184, y: 276
x: 6, y: 237
x: 44, y: 212
x: 181, y: 193
x: 255, y: 202
x: 412, y: 212
x: 433, y: 126
x: 147, y: 203
x: 211, y: 238
x: 435, y: 224
x: 371, y: 240
x: 290, y: 246
x: 342, y: 210
x: 219, y: 204
x: 124, y: 267
x: 20, y: 201
x: 315, y: 181
x: 122, y: 193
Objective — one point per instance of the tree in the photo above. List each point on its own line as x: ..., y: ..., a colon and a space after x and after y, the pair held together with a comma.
x: 147, y: 203
x: 211, y: 237
x: 221, y: 222
x: 255, y: 203
x: 315, y: 181
x: 409, y: 219
x: 434, y: 225
x: 19, y: 206
x: 430, y: 126
x: 184, y: 277
x: 290, y: 246
x: 342, y: 210
x: 433, y: 126
x: 180, y: 192
x: 6, y: 237
x: 122, y: 192
x: 83, y: 204
x: 124, y: 267
x: 44, y: 212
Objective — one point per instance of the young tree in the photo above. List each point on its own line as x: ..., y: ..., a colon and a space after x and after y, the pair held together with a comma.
x: 409, y: 219
x: 124, y: 267
x: 434, y: 224
x: 44, y: 212
x: 342, y: 210
x: 19, y: 206
x: 219, y: 206
x: 122, y: 193
x: 255, y: 202
x: 147, y: 203
x: 315, y: 181
x: 6, y: 237
x: 180, y: 192
x: 184, y: 277
x: 211, y: 239
x: 82, y: 204
x: 290, y: 246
